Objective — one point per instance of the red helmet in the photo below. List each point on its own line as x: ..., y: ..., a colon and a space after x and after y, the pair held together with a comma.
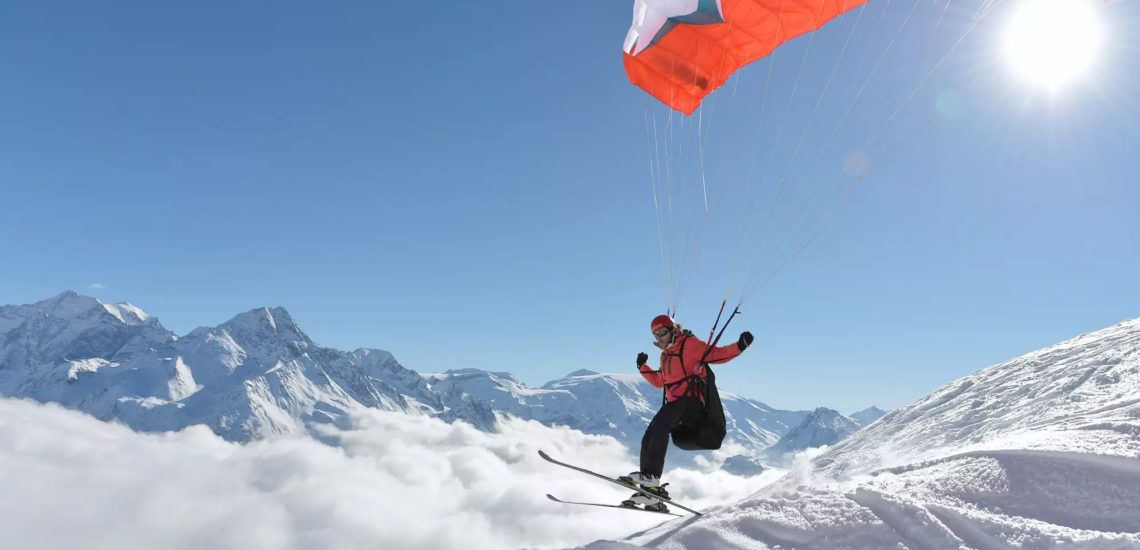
x: 661, y: 321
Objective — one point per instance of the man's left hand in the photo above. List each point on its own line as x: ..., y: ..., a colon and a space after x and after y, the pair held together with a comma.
x: 744, y: 341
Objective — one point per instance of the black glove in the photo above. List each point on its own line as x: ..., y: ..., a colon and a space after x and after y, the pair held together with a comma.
x: 744, y: 341
x: 642, y: 358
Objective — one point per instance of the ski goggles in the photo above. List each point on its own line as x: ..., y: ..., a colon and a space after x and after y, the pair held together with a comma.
x: 662, y: 332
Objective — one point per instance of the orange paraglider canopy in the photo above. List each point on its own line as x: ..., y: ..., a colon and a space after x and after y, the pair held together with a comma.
x: 681, y: 50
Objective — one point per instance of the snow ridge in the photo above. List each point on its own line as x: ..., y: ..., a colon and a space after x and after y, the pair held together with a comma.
x: 1042, y: 451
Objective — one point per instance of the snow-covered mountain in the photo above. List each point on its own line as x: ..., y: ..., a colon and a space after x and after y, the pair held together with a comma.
x: 867, y: 416
x: 605, y: 404
x: 1042, y: 451
x: 256, y: 375
x: 259, y: 374
x: 820, y: 428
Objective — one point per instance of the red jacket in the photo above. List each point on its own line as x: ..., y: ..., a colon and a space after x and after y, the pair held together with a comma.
x: 679, y: 362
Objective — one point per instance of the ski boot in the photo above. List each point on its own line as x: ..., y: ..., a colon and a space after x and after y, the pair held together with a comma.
x: 635, y: 479
x: 650, y: 484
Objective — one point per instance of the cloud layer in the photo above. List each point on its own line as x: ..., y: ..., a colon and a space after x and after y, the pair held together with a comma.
x: 394, y: 481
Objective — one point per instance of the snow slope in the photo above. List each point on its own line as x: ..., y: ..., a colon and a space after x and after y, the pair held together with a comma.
x: 1039, y: 452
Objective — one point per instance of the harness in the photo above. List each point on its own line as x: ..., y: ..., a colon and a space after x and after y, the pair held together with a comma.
x: 696, y: 386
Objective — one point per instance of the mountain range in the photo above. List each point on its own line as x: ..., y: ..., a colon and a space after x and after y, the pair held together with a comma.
x: 259, y: 375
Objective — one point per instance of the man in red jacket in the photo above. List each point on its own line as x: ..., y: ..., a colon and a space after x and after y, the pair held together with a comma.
x: 683, y: 356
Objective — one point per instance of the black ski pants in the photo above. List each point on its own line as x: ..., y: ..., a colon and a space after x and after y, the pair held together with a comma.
x: 686, y: 410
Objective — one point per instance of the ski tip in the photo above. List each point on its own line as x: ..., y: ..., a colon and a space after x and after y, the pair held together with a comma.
x: 543, y: 454
x: 552, y: 497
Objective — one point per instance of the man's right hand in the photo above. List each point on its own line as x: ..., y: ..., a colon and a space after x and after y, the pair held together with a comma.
x: 642, y: 358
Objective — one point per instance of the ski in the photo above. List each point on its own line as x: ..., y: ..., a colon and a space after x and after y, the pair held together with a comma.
x: 615, y: 481
x: 634, y: 508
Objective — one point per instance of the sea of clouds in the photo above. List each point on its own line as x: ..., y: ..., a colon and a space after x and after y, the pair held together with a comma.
x: 392, y: 480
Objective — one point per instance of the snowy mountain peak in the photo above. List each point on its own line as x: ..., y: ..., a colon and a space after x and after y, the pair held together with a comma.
x: 127, y: 313
x: 581, y: 372
x: 821, y: 427
x: 266, y: 323
x: 824, y: 417
x: 867, y: 416
x: 68, y: 305
x: 476, y: 373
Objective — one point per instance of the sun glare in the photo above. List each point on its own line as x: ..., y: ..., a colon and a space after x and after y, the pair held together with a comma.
x: 1052, y: 42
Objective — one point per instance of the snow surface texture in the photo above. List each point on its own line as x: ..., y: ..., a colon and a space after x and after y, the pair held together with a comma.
x: 1035, y: 453
x: 258, y: 375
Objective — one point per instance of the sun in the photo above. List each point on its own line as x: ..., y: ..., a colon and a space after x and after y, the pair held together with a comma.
x: 1053, y: 42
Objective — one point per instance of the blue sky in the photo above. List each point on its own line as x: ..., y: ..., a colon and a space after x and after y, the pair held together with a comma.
x: 467, y: 186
